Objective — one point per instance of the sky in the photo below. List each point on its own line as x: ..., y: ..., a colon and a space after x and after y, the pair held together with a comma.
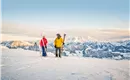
x: 98, y: 19
x: 63, y: 14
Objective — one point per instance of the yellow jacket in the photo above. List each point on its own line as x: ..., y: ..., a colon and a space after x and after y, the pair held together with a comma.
x: 58, y: 42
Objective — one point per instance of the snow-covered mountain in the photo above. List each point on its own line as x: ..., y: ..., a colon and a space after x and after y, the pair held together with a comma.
x: 78, y: 46
x: 80, y: 39
x: 75, y: 39
x: 16, y: 44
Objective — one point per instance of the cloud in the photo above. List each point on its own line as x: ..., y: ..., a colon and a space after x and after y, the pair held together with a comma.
x: 33, y: 31
x: 121, y: 37
x: 20, y: 29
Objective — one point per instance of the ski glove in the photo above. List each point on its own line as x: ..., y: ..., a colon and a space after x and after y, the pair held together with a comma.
x: 46, y: 47
x: 55, y: 46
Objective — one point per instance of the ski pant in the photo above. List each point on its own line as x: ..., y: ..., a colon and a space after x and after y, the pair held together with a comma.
x: 58, y: 51
x: 43, y: 51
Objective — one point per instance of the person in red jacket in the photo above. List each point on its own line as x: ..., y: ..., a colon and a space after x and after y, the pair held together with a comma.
x: 43, y: 45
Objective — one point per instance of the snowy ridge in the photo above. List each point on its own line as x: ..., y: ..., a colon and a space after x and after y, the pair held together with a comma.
x: 80, y: 39
x: 75, y: 39
x: 78, y: 46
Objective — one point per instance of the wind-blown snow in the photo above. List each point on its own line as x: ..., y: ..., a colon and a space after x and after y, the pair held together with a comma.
x: 18, y: 64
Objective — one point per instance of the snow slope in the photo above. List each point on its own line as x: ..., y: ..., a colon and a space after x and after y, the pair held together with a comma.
x: 18, y: 64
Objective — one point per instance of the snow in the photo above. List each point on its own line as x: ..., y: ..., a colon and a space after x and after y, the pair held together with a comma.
x: 75, y: 39
x: 19, y: 64
x: 117, y: 50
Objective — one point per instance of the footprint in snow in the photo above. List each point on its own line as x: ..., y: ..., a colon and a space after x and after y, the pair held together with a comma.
x: 73, y: 73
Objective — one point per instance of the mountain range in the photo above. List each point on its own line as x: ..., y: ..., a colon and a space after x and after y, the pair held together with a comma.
x: 81, y: 47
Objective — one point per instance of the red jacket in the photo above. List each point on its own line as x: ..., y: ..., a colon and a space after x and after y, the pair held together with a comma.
x: 43, y: 42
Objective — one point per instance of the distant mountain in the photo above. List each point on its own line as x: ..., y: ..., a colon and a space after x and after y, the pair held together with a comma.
x: 80, y: 39
x: 16, y: 44
x: 75, y: 39
x: 78, y: 46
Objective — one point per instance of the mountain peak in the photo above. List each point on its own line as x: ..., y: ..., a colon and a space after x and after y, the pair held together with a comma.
x: 76, y: 39
x: 80, y: 39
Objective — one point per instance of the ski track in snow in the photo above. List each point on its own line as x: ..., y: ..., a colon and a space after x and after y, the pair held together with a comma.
x: 20, y: 64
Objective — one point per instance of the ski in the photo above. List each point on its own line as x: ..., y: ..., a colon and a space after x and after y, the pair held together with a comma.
x: 63, y: 42
x: 64, y: 38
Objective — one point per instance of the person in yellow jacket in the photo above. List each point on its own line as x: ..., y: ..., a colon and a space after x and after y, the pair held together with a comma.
x: 58, y: 43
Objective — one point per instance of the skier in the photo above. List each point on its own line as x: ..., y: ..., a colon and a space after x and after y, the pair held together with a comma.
x: 58, y: 43
x: 35, y: 46
x: 43, y: 45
